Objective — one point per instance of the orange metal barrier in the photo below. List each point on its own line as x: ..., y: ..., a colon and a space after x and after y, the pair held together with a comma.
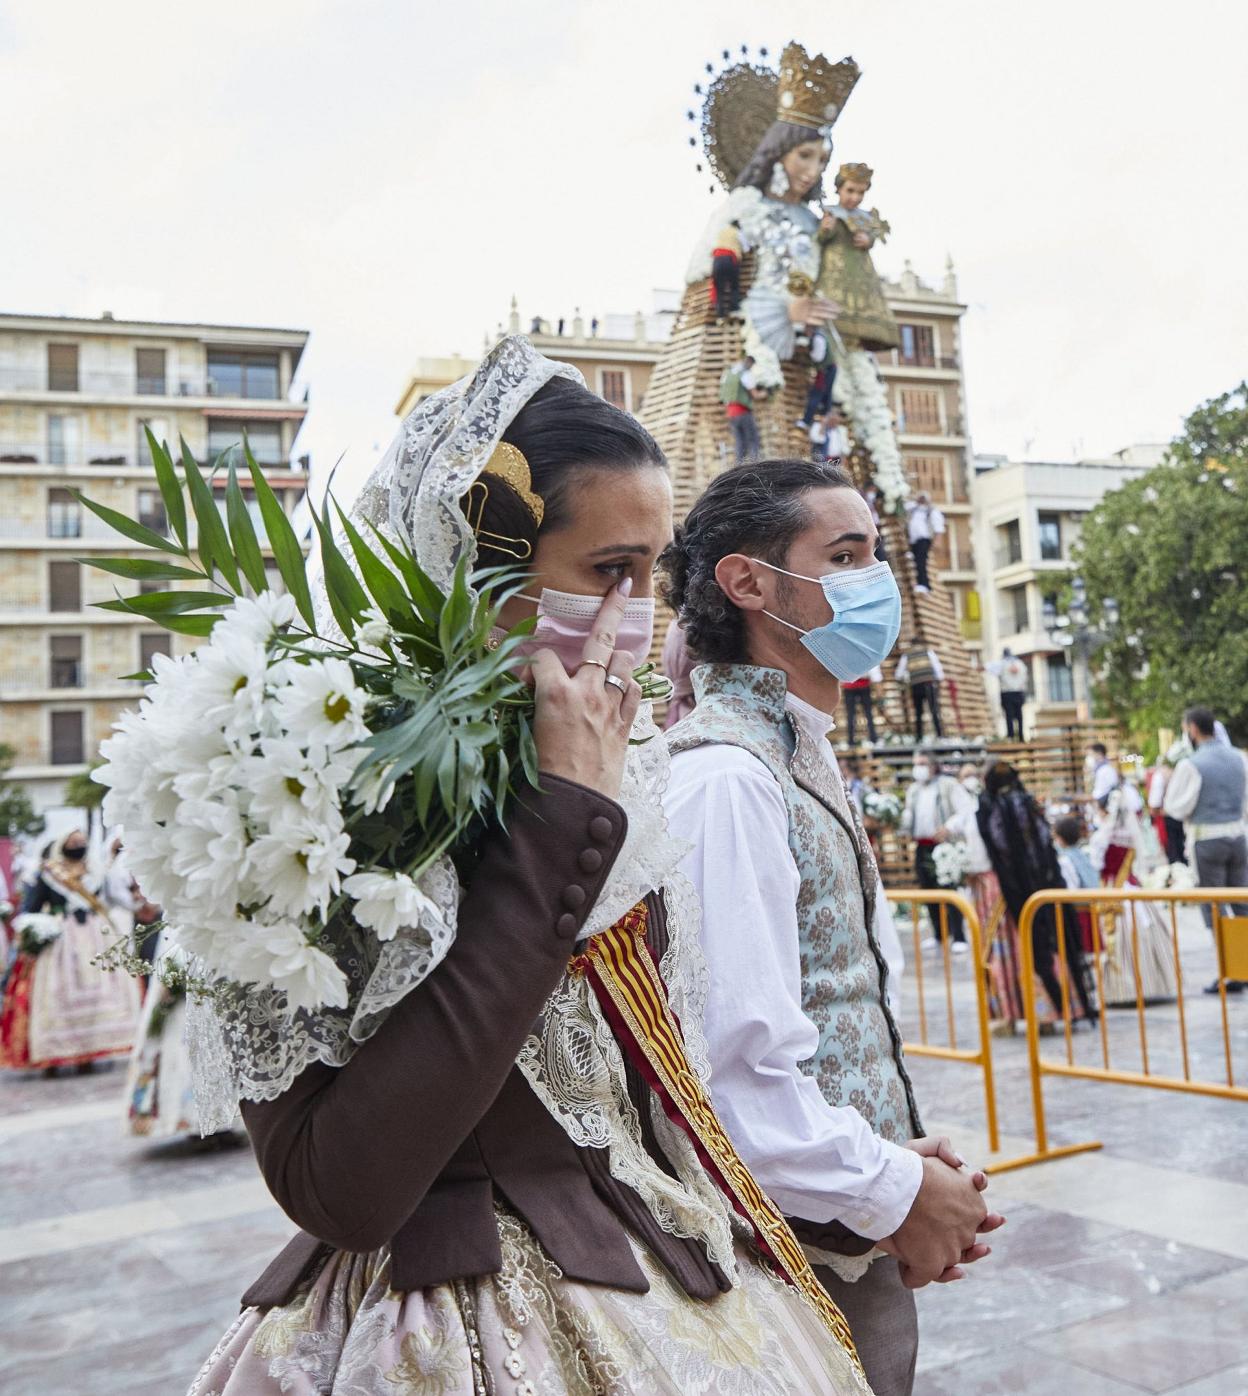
x: 939, y: 901
x: 1231, y: 940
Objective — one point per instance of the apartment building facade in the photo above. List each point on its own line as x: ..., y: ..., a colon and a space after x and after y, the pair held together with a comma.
x: 75, y: 397
x: 927, y: 392
x: 1027, y: 520
x: 615, y: 353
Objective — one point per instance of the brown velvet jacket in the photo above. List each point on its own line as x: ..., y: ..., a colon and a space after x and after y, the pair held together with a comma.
x: 409, y: 1144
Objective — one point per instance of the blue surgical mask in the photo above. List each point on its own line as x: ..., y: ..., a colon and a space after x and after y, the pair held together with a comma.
x: 866, y: 619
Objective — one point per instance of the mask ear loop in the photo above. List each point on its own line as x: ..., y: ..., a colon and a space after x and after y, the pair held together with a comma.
x: 475, y: 499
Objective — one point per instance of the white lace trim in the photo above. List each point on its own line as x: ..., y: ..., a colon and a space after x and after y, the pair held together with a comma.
x: 850, y: 1268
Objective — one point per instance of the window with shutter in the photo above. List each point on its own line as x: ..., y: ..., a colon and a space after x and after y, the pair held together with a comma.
x: 615, y: 387
x: 152, y: 643
x: 62, y: 368
x: 65, y: 661
x: 917, y: 346
x: 920, y: 411
x: 927, y: 473
x: 64, y: 586
x: 151, y: 512
x: 149, y: 371
x: 68, y: 745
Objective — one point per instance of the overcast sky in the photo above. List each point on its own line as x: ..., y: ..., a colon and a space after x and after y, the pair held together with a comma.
x: 386, y: 174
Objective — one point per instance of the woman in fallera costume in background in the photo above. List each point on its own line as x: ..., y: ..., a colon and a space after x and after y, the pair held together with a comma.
x: 59, y: 1008
x: 507, y: 1168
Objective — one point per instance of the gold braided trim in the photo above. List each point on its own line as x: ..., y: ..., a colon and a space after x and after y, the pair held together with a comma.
x: 623, y: 967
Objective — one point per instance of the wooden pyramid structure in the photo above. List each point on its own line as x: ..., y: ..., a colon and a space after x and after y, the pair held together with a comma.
x: 683, y: 412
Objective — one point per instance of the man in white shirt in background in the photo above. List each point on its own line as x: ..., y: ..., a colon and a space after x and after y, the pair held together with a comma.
x: 1105, y: 775
x: 775, y: 584
x: 933, y: 800
x: 925, y: 524
x: 1209, y: 793
x: 1012, y: 677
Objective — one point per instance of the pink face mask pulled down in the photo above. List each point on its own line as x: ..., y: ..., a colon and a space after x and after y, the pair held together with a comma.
x: 565, y: 621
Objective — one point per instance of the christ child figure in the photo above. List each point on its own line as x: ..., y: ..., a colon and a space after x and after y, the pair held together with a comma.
x: 846, y: 273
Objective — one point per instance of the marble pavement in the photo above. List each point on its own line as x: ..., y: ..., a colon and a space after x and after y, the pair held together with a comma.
x: 1119, y: 1272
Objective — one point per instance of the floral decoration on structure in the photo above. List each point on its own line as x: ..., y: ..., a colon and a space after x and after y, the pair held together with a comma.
x: 861, y: 392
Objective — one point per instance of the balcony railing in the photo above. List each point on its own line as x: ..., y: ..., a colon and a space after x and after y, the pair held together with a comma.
x: 929, y: 426
x: 102, y: 383
x: 70, y: 457
x: 19, y: 681
x: 89, y: 529
x: 925, y: 360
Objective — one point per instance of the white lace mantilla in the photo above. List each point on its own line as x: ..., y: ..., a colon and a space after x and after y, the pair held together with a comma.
x: 246, y: 1046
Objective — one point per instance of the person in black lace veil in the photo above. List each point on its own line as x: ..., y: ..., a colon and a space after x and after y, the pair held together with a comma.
x: 1020, y: 845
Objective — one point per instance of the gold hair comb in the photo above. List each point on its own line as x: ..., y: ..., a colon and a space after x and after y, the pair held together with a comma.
x: 509, y: 465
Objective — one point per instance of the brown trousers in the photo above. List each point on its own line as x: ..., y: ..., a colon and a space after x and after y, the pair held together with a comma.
x: 885, y: 1324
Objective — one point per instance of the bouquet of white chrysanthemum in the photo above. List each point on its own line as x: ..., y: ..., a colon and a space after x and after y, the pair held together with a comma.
x: 952, y: 862
x: 882, y: 806
x: 284, y: 787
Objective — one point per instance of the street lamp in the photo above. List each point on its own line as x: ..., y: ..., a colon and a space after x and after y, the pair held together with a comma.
x: 1074, y: 631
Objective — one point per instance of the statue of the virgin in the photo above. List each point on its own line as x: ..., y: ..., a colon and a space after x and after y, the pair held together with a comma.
x: 753, y: 316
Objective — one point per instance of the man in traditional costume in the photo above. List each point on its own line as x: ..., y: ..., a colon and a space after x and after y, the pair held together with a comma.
x: 776, y: 588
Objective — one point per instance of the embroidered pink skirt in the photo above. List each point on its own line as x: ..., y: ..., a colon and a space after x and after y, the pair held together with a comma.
x: 526, y: 1331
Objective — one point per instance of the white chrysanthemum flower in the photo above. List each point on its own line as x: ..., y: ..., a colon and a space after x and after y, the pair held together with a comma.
x: 299, y: 864
x: 308, y: 975
x: 323, y: 704
x: 374, y: 630
x: 233, y: 674
x: 286, y: 782
x: 258, y: 618
x: 209, y: 850
x: 372, y: 791
x: 210, y: 777
x: 386, y: 901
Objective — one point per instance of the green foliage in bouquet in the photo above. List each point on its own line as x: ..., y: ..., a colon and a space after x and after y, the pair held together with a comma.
x: 450, y: 722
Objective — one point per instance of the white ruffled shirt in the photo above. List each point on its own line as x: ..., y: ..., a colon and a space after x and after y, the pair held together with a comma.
x: 818, y: 1161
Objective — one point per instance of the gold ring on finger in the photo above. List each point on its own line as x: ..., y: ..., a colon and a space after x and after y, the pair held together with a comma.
x: 597, y: 664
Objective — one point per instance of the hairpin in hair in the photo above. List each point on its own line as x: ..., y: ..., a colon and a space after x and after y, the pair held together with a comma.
x: 509, y: 465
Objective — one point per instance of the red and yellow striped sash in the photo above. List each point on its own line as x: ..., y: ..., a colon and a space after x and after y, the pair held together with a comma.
x: 619, y: 967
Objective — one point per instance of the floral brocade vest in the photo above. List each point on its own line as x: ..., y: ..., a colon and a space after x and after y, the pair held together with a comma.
x: 844, y: 975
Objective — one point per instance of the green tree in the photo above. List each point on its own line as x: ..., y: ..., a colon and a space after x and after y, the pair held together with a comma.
x: 85, y: 794
x: 1170, y: 548
x: 17, y: 814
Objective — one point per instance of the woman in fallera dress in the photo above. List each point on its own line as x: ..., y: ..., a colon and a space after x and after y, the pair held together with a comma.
x: 500, y: 1190
x: 59, y: 1008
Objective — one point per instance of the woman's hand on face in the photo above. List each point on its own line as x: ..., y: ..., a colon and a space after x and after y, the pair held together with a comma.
x: 583, y: 720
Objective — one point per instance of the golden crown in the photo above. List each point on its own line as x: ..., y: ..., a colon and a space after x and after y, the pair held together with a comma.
x: 859, y: 173
x: 813, y: 90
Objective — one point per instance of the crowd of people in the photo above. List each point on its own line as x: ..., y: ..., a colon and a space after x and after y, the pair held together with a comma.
x: 1013, y: 846
x: 67, y: 1002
